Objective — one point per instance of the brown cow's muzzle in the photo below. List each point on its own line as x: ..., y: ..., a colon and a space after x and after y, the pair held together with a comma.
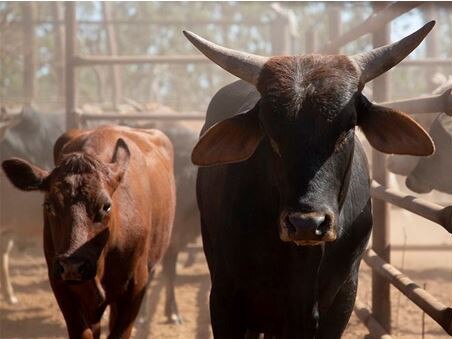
x: 311, y: 228
x: 73, y: 269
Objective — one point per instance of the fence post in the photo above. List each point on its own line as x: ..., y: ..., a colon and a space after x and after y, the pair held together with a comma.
x: 310, y: 41
x: 280, y: 35
x: 431, y: 44
x: 69, y: 64
x: 29, y: 11
x: 112, y: 50
x: 381, y: 301
x: 334, y: 25
x: 58, y: 32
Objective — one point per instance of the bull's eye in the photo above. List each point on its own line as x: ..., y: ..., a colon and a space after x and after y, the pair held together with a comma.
x: 48, y: 207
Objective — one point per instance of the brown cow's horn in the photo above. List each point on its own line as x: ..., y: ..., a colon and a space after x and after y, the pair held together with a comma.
x: 243, y: 65
x: 382, y: 59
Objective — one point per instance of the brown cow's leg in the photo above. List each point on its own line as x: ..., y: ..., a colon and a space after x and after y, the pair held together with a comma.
x: 123, y: 314
x: 6, y: 244
x: 124, y: 311
x: 169, y: 274
x: 77, y: 326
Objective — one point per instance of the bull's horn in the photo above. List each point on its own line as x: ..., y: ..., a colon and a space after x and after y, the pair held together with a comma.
x: 243, y: 65
x: 382, y: 59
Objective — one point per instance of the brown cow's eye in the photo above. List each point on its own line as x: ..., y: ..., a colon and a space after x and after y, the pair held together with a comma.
x: 106, y: 208
x: 102, y: 212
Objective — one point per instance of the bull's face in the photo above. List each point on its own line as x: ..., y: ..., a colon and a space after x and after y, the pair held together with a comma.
x: 78, y: 207
x: 308, y: 111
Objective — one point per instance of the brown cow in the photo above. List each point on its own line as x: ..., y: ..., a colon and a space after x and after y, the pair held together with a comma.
x: 108, y: 212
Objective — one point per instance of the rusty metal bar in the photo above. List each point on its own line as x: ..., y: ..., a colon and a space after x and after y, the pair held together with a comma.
x: 429, y: 304
x: 69, y: 65
x: 140, y: 116
x: 366, y: 317
x: 431, y: 211
x: 381, y: 297
x: 429, y: 104
x: 138, y: 59
x: 371, y: 25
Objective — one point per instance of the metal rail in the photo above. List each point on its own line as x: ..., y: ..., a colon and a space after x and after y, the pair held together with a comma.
x: 140, y: 116
x: 431, y: 211
x: 369, y: 321
x: 428, y: 104
x: 426, y: 62
x: 153, y: 22
x: 429, y: 304
x: 138, y: 59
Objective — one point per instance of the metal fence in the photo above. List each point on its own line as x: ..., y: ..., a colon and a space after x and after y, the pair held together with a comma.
x: 378, y: 258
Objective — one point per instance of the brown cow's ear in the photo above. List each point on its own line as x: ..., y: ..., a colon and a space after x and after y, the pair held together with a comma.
x: 120, y: 161
x: 229, y: 141
x: 394, y: 132
x: 25, y: 176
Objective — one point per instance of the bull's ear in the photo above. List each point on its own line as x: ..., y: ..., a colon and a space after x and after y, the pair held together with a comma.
x: 120, y: 161
x: 393, y: 132
x: 232, y: 140
x: 25, y: 176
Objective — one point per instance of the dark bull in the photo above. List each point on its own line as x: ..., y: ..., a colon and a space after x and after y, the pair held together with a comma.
x: 283, y: 168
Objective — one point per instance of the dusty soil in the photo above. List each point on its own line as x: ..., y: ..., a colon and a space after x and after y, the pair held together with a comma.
x: 37, y: 315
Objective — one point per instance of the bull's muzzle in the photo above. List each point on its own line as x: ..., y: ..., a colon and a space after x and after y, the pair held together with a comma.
x: 310, y: 228
x: 73, y: 269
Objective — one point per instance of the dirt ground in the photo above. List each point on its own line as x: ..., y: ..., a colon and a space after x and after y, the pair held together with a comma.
x: 37, y: 315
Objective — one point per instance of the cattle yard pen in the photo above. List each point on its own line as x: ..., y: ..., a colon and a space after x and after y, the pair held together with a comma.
x: 378, y: 258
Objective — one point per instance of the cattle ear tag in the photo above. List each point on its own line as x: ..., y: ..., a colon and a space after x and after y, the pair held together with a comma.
x: 25, y: 176
x: 394, y: 132
x: 229, y: 141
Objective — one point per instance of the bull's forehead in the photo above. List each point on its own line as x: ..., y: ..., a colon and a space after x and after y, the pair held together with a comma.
x: 323, y: 83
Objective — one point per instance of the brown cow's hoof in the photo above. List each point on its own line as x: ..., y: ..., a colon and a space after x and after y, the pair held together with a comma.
x: 175, y: 319
x: 12, y: 300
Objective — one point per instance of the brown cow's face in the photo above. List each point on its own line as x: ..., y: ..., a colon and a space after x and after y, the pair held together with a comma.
x: 78, y: 207
x: 307, y: 112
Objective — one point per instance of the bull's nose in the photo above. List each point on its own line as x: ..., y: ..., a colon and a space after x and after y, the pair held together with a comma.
x: 304, y: 225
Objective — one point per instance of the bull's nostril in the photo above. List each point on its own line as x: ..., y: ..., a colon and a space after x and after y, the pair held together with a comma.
x: 324, y: 226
